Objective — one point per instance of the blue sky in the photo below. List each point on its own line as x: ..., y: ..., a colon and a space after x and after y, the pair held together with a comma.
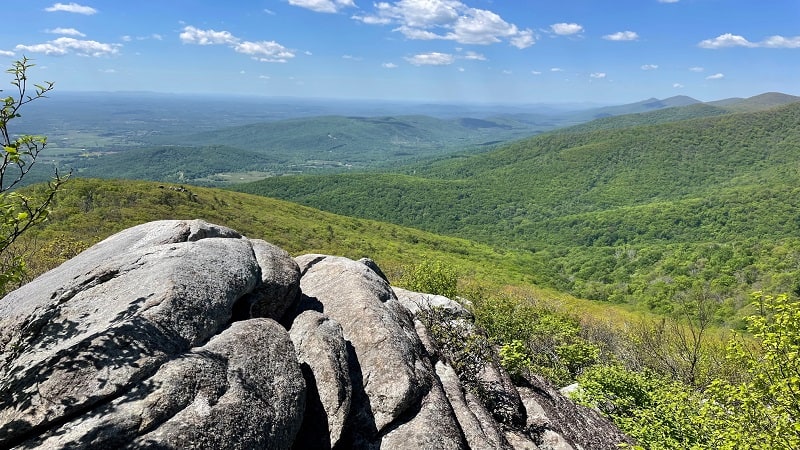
x: 496, y: 51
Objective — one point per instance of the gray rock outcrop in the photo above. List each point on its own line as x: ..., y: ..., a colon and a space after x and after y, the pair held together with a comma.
x: 184, y: 334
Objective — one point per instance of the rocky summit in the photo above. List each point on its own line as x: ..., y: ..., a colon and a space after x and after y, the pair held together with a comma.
x: 185, y: 334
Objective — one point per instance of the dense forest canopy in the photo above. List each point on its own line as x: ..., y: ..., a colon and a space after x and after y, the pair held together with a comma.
x: 615, y: 212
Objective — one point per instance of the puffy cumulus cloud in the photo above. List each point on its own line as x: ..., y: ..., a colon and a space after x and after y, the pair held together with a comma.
x: 732, y: 40
x: 66, y: 32
x: 192, y: 35
x: 323, y: 6
x: 389, y: 65
x: 622, y: 36
x: 649, y: 67
x: 422, y: 14
x: 566, y: 29
x: 72, y: 8
x: 264, y: 51
x: 65, y: 45
x: 7, y: 53
x: 716, y: 76
x: 781, y: 42
x: 523, y: 40
x: 677, y: 85
x: 598, y: 75
x: 726, y: 40
x: 447, y: 20
x: 431, y: 59
x: 485, y: 27
x: 556, y: 69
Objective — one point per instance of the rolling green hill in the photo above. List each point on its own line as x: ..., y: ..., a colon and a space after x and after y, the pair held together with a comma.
x: 88, y: 210
x: 614, y: 214
x: 301, y: 145
x: 361, y: 141
x: 757, y: 103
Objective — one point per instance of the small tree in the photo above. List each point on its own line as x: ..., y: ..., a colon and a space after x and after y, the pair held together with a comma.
x: 19, y: 212
x: 431, y: 278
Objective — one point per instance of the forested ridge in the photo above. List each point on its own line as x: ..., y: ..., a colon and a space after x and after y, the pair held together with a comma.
x: 628, y: 214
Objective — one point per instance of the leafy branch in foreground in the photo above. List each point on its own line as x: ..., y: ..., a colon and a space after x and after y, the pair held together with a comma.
x: 19, y: 212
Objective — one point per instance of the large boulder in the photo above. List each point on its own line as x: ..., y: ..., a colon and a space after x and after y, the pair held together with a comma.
x: 563, y: 424
x: 243, y: 389
x: 392, y: 375
x: 84, y: 334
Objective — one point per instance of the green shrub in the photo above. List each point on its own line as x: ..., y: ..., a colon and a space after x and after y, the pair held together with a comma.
x: 431, y: 278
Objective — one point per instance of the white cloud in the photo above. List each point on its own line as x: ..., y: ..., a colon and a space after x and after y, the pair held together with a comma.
x: 417, y: 34
x: 263, y: 77
x: 668, y: 1
x: 716, y: 76
x: 523, y: 40
x: 72, y: 8
x: 352, y: 58
x: 566, y: 29
x: 677, y: 86
x: 7, y: 53
x: 536, y: 72
x: 726, y: 40
x: 126, y: 38
x: 389, y: 65
x: 108, y: 71
x: 269, y: 11
x: 507, y: 72
x: 556, y: 69
x: 480, y: 26
x: 323, y: 6
x: 697, y: 69
x: 66, y: 32
x: 431, y: 59
x: 598, y: 75
x: 732, y: 40
x: 622, y: 36
x: 474, y: 56
x: 65, y: 45
x: 650, y: 67
x: 447, y: 20
x: 781, y: 42
x: 192, y: 35
x: 264, y: 51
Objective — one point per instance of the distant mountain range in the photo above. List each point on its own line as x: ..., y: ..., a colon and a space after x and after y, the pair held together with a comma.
x: 179, y: 139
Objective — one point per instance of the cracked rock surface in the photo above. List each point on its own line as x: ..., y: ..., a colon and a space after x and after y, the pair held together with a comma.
x: 185, y: 334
